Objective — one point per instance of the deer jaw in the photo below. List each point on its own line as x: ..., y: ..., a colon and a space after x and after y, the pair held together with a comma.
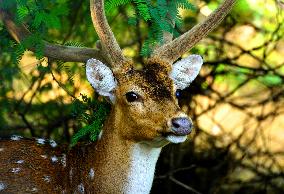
x: 149, y: 117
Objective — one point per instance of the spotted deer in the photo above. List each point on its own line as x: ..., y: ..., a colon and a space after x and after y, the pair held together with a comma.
x: 145, y: 116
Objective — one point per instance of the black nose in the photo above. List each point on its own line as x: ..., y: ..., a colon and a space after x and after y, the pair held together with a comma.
x: 181, y: 126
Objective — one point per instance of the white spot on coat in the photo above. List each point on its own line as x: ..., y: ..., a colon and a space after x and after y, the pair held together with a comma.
x: 2, y: 186
x: 43, y: 156
x: 63, y: 160
x: 1, y: 149
x: 20, y: 161
x: 46, y: 178
x: 91, y: 174
x: 54, y: 159
x: 81, y: 188
x: 40, y: 141
x: 16, y: 137
x: 100, y: 135
x: 52, y: 143
x: 71, y: 174
x: 34, y: 189
x: 15, y: 170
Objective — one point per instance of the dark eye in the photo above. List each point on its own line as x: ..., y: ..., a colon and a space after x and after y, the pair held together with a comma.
x: 178, y: 93
x: 131, y: 96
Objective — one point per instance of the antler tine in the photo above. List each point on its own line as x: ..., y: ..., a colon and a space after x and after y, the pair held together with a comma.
x: 173, y: 50
x: 108, y: 41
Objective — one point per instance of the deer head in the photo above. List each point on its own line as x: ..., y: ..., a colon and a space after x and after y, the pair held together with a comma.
x: 145, y: 101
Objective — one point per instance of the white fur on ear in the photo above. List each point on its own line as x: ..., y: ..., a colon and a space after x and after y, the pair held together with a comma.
x: 186, y: 70
x: 101, y: 78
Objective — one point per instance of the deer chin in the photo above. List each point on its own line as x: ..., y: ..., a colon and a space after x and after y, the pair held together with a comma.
x: 157, y: 142
x: 166, y: 139
x: 175, y: 138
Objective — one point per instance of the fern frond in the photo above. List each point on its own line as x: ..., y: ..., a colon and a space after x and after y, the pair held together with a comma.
x: 111, y: 4
x: 74, y: 44
x: 38, y: 19
x: 61, y: 10
x: 7, y: 4
x: 22, y: 13
x: 39, y: 50
x: 19, y: 52
x: 132, y: 21
x: 52, y: 21
x: 184, y: 4
x: 143, y: 9
x: 101, y: 111
x: 70, y: 73
x: 60, y: 65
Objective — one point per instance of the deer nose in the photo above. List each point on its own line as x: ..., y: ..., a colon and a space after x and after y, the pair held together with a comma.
x: 181, y: 126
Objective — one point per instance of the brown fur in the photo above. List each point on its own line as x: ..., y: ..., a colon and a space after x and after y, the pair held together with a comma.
x: 34, y: 168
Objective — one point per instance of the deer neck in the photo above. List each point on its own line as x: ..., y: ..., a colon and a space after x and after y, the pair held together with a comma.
x: 125, y: 166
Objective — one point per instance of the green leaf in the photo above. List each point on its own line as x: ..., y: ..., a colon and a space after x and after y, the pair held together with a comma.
x: 72, y: 43
x: 132, y: 21
x: 39, y: 48
x: 111, y: 4
x: 52, y: 21
x: 19, y: 52
x: 61, y: 10
x: 271, y: 80
x: 22, y: 13
x: 101, y: 111
x: 8, y: 4
x: 143, y: 9
x: 39, y: 19
x: 42, y: 69
x: 185, y: 4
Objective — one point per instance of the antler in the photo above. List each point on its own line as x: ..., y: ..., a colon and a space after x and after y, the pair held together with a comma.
x: 108, y: 41
x: 55, y: 51
x: 173, y: 50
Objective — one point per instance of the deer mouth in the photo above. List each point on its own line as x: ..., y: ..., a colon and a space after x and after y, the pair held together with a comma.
x: 174, y: 138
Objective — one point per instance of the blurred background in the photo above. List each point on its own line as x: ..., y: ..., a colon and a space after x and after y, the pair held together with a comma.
x: 236, y: 103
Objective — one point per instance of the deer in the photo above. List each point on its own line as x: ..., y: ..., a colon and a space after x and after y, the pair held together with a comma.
x: 145, y: 115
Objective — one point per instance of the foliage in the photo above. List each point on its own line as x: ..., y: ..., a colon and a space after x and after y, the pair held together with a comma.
x: 39, y: 18
x: 93, y: 113
x: 161, y: 16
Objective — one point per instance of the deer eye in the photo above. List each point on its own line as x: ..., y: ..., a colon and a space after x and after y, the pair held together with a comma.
x: 178, y: 93
x: 131, y: 96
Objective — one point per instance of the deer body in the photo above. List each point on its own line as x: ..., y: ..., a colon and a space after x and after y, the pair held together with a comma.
x: 34, y: 168
x: 145, y: 117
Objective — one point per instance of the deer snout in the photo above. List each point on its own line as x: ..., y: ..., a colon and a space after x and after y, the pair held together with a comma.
x: 181, y: 126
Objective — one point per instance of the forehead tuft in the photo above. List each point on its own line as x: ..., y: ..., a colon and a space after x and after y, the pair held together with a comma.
x: 153, y: 80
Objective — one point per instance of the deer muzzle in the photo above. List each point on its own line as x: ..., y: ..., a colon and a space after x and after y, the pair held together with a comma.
x: 181, y: 126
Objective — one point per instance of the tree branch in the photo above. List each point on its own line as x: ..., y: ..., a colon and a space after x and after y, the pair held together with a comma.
x: 54, y: 51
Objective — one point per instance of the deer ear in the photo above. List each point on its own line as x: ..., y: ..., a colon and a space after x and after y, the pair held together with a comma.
x: 101, y: 78
x: 186, y: 70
